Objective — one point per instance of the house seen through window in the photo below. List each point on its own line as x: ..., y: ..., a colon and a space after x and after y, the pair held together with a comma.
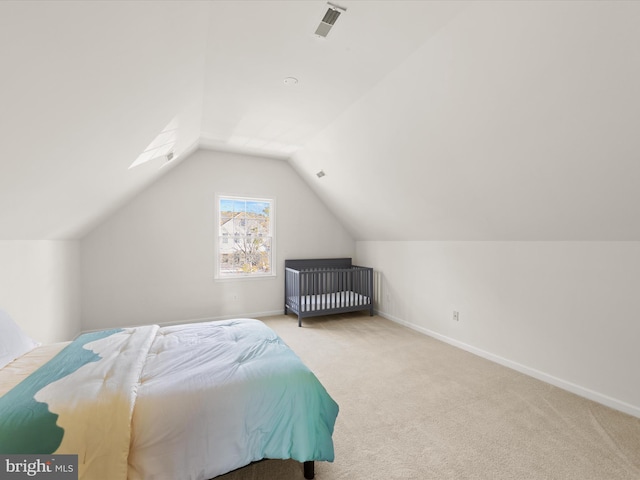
x: 245, y: 237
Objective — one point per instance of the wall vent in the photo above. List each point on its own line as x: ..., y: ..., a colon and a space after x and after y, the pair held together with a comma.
x: 329, y: 19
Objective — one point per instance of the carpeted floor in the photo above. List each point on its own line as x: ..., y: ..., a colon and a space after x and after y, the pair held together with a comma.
x: 412, y: 407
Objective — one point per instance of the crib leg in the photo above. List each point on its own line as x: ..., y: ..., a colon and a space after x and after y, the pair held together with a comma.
x: 309, y: 471
x: 299, y: 321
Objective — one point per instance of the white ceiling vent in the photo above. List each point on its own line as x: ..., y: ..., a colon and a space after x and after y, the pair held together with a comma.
x: 329, y: 19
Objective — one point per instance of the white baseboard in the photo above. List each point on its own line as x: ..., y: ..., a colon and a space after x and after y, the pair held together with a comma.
x: 532, y: 372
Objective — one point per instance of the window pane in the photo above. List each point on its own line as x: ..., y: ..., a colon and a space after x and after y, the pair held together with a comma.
x: 245, y: 255
x: 253, y: 227
x: 245, y: 237
x: 239, y: 206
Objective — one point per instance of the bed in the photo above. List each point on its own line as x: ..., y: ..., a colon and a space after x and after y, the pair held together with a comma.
x: 189, y: 401
x: 326, y: 286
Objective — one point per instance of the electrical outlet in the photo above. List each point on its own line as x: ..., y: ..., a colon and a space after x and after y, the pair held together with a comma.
x: 456, y: 316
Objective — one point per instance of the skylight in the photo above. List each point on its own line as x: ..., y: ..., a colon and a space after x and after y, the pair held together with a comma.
x: 161, y: 146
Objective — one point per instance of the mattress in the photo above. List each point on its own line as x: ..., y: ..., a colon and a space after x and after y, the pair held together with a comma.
x: 326, y: 301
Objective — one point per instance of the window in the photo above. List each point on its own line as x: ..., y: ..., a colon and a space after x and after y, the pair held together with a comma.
x: 245, y: 237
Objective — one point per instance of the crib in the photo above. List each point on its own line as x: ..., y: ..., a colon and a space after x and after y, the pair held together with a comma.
x: 326, y: 286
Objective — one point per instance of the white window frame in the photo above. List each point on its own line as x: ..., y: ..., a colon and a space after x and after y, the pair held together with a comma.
x: 219, y: 275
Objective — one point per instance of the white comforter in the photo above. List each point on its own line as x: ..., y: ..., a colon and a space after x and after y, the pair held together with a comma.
x: 185, y: 402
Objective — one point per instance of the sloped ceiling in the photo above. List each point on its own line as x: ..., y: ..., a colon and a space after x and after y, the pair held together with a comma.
x: 516, y: 121
x: 432, y: 120
x: 254, y: 46
x: 84, y: 88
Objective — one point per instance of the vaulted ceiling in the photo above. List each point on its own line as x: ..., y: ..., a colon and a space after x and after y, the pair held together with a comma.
x: 432, y: 120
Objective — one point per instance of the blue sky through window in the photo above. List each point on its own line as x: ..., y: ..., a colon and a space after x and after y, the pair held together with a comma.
x: 234, y: 205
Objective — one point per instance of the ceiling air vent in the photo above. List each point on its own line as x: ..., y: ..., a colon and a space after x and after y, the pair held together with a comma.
x: 329, y: 19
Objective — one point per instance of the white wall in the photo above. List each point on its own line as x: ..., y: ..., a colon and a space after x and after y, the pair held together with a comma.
x: 565, y: 312
x: 153, y: 260
x: 39, y: 287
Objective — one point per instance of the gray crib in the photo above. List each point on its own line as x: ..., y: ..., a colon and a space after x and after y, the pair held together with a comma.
x: 325, y: 286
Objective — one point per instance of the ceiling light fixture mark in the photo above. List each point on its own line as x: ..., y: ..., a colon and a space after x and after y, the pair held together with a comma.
x: 291, y: 81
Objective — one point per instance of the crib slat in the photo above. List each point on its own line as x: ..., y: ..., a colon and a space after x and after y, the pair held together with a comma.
x: 345, y: 289
x: 306, y: 291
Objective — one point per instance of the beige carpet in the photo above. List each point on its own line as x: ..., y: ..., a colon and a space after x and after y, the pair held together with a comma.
x: 412, y: 407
